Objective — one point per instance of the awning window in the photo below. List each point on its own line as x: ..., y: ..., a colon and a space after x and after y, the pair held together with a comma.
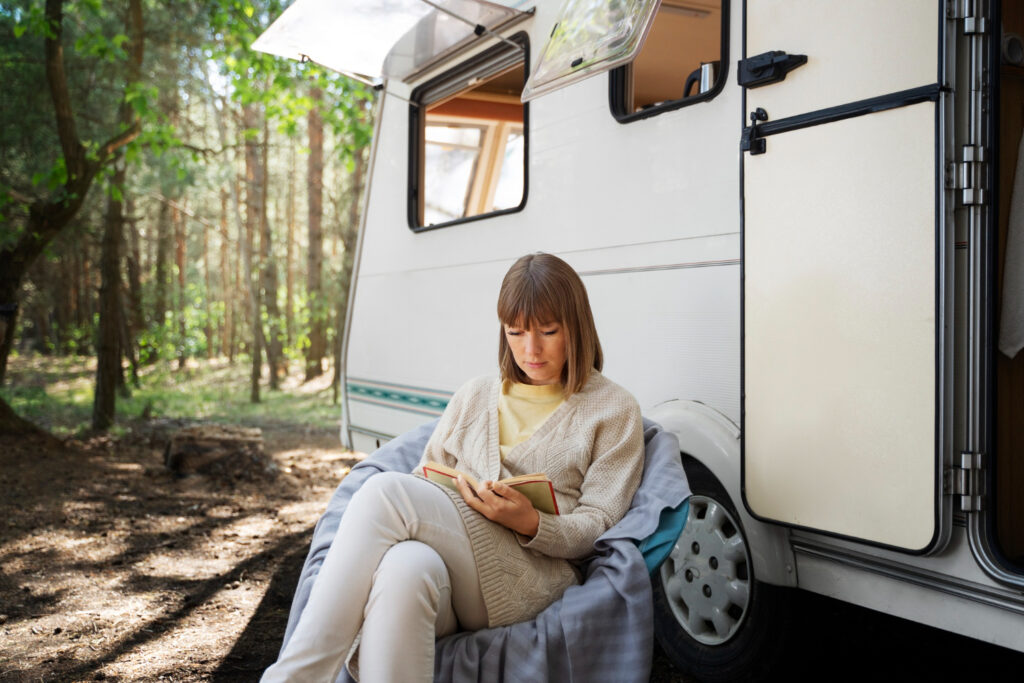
x: 590, y: 37
x: 381, y: 39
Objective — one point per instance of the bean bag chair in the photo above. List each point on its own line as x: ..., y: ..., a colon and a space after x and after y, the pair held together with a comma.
x: 600, y: 630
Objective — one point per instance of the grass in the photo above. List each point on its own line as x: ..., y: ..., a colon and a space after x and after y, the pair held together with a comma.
x: 57, y: 394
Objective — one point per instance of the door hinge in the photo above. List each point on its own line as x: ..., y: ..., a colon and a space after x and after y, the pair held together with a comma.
x: 973, y: 14
x: 964, y: 481
x: 969, y: 175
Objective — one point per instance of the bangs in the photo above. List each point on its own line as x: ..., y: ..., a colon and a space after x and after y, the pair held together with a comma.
x: 527, y: 304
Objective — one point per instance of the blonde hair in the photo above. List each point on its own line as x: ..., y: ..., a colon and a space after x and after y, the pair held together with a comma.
x: 541, y: 288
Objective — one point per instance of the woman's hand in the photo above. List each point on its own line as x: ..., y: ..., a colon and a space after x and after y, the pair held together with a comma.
x: 502, y: 504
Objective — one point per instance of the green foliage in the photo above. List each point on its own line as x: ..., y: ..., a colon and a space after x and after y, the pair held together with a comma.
x: 57, y: 393
x: 140, y: 97
x: 109, y: 49
x: 76, y: 340
x: 55, y: 177
x: 31, y: 20
x: 95, y: 64
x: 199, y: 71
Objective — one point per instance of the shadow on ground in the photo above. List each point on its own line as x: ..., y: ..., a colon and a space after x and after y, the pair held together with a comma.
x: 258, y: 645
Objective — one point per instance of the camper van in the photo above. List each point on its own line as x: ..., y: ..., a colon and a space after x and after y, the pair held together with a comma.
x: 793, y: 220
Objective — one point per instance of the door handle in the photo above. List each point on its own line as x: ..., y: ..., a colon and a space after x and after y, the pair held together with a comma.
x: 768, y: 67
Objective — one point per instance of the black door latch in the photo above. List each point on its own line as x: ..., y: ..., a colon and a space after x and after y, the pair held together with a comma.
x: 770, y: 67
x: 751, y: 140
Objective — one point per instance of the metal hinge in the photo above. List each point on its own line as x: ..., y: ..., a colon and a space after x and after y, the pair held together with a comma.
x: 969, y: 175
x: 964, y: 481
x: 973, y: 13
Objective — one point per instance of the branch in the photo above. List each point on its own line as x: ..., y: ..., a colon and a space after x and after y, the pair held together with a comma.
x: 74, y: 153
x: 19, y: 196
x: 206, y: 151
x: 188, y: 212
x: 120, y: 140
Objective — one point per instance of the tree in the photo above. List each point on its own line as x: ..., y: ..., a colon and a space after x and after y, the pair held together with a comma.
x: 254, y: 186
x: 108, y: 354
x: 315, y: 235
x: 71, y: 176
x: 108, y: 348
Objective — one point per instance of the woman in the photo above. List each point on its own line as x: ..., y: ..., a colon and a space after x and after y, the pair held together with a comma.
x: 413, y: 561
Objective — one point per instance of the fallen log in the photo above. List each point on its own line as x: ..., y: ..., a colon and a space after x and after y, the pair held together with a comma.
x: 229, y: 450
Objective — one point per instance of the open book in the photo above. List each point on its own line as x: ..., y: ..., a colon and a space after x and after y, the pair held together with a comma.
x: 536, y: 487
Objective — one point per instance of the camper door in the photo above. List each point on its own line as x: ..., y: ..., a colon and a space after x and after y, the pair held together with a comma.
x: 845, y: 252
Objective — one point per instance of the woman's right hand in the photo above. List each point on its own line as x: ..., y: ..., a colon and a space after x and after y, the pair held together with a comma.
x: 501, y: 504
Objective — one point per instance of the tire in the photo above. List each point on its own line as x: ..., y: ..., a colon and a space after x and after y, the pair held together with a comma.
x: 713, y: 619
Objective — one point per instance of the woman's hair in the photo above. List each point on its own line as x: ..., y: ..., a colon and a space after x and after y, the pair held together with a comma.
x: 541, y: 288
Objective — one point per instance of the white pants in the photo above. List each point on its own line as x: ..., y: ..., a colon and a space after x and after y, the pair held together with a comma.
x: 401, y: 569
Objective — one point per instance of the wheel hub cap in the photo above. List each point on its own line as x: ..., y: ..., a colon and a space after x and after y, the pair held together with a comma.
x: 707, y: 575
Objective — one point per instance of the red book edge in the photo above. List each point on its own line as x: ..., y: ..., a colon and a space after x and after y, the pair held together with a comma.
x: 431, y: 469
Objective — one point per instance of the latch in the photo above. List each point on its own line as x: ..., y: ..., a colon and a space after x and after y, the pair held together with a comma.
x: 751, y: 140
x: 965, y: 482
x: 971, y: 12
x: 768, y: 67
x: 969, y: 175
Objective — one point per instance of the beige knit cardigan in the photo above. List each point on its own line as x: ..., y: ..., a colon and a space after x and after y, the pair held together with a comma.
x: 591, y: 448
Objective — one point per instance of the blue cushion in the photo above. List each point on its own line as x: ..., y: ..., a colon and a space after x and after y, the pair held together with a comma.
x: 656, y: 547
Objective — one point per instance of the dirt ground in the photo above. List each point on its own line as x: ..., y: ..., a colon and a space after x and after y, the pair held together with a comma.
x: 112, y: 567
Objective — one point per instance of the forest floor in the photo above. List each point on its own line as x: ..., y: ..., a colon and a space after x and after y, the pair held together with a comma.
x: 113, y: 567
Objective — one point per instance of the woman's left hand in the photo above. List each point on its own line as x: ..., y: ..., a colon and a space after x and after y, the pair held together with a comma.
x: 502, y: 504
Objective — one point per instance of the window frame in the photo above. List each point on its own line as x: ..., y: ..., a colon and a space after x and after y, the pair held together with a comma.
x: 618, y: 81
x: 417, y: 137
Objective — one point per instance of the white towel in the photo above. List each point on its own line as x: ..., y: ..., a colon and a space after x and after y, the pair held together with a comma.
x: 1011, y: 322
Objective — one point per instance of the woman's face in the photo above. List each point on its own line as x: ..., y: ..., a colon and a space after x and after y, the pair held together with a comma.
x: 539, y: 351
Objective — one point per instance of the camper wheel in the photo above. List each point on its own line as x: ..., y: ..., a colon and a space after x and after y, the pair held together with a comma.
x: 711, y: 616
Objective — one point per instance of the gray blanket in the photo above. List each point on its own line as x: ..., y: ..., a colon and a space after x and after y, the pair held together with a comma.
x: 601, y: 630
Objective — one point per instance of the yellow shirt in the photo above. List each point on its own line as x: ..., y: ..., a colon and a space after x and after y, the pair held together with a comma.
x: 522, y: 408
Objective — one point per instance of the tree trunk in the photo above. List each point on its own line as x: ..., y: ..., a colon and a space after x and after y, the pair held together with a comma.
x: 207, y: 293
x: 8, y: 319
x: 241, y: 298
x: 289, y: 251
x: 127, y: 344
x: 180, y: 251
x: 62, y: 303
x: 10, y: 423
x: 226, y: 291
x: 108, y: 348
x: 253, y: 204
x: 314, y: 287
x: 163, y: 256
x: 349, y: 239
x: 274, y: 331
x: 108, y: 352
x: 134, y: 322
x: 269, y: 272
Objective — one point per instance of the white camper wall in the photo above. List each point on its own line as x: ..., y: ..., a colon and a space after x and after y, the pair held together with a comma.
x: 646, y: 211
